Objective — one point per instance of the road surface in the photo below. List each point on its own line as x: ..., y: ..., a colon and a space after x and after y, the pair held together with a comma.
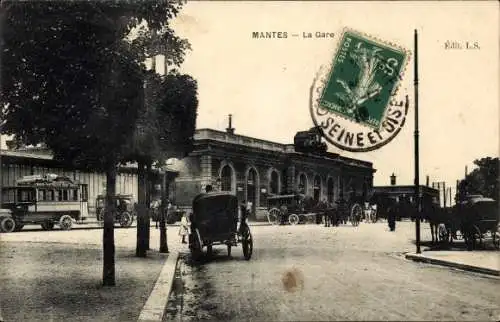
x: 311, y: 272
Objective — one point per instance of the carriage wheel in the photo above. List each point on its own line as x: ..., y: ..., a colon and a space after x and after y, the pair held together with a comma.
x: 125, y: 219
x: 293, y: 219
x: 273, y: 216
x: 7, y: 225
x: 356, y: 212
x: 65, y: 222
x: 47, y: 225
x: 478, y: 236
x: 247, y: 243
x: 496, y: 237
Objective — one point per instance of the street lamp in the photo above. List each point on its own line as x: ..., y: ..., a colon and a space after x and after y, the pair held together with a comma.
x: 164, y: 210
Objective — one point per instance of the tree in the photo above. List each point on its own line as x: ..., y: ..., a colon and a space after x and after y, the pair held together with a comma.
x: 482, y: 180
x: 71, y: 80
x: 144, y: 145
x: 177, y: 112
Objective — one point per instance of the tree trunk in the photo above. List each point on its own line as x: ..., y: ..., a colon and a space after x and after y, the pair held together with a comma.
x: 164, y: 204
x: 108, y: 235
x: 141, y: 249
x: 147, y: 226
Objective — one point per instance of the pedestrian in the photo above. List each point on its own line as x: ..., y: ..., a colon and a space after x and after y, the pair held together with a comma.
x: 243, y: 215
x: 283, y: 213
x: 184, y: 227
x: 391, y: 217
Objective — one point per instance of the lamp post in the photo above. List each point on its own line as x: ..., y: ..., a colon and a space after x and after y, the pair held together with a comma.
x: 164, y: 212
x: 416, y: 134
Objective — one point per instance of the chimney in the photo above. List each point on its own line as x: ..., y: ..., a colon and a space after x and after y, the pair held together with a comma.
x: 393, y: 179
x: 230, y: 129
x: 427, y: 181
x: 466, y: 171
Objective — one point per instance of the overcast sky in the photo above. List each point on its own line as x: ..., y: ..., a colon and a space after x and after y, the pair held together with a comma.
x: 264, y: 83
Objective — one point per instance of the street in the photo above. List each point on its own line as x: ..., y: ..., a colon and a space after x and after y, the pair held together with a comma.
x: 311, y: 272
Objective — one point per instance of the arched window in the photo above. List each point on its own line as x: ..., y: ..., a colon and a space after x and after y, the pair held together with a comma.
x: 226, y: 178
x: 330, y: 191
x: 317, y: 188
x: 302, y: 184
x: 273, y: 183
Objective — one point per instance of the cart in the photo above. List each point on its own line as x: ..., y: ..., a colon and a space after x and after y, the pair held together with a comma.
x: 293, y: 209
x: 124, y: 213
x: 214, y: 221
x: 474, y: 221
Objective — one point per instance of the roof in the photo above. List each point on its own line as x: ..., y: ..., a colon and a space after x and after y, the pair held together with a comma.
x: 242, y: 140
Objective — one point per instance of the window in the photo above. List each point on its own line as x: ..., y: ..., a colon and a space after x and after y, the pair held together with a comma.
x: 226, y: 178
x: 85, y: 192
x: 59, y: 195
x: 317, y: 188
x: 75, y: 194
x: 26, y: 195
x: 330, y: 190
x: 273, y: 185
x: 65, y: 195
x: 302, y: 184
x: 42, y: 195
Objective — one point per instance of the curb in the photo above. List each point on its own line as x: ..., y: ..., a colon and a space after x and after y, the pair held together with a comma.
x: 154, y: 308
x: 465, y: 267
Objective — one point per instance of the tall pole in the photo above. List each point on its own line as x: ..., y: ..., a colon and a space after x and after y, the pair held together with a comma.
x: 417, y: 174
x: 444, y: 195
x: 164, y: 213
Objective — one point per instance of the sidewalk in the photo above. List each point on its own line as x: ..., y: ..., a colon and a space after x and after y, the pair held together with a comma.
x: 486, y: 262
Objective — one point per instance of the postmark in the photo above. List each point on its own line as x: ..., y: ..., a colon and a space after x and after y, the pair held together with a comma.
x: 356, y: 101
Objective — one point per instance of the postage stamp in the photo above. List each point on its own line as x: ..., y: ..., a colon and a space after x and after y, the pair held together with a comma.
x: 356, y: 102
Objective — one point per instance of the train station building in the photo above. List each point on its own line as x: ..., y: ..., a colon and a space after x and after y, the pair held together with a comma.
x: 251, y: 168
x: 254, y: 169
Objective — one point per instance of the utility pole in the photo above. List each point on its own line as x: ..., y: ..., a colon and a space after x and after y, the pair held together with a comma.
x: 444, y: 195
x: 417, y: 174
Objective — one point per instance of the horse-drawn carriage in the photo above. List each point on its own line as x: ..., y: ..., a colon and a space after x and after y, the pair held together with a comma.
x: 214, y: 221
x: 124, y: 211
x: 473, y: 220
x: 292, y: 208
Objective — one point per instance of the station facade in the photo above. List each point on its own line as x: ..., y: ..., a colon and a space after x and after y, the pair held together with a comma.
x: 254, y: 169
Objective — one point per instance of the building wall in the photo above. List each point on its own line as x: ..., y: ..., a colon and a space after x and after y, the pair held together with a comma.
x: 195, y: 172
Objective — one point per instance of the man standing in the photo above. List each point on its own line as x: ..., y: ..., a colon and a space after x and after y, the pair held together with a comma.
x: 391, y: 216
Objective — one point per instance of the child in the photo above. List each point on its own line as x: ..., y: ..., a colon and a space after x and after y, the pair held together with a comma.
x: 184, y: 228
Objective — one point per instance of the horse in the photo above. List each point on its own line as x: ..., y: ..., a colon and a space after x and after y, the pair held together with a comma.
x: 438, y: 223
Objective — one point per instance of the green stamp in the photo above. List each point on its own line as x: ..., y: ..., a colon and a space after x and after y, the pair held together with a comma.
x: 364, y: 75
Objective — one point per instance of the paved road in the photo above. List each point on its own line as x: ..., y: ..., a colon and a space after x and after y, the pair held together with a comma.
x: 347, y: 274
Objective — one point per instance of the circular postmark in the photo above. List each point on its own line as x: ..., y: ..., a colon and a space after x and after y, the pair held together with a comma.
x: 356, y: 102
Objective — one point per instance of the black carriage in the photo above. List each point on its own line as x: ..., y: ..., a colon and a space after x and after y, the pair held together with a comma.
x: 473, y: 220
x: 124, y: 212
x: 214, y: 221
x: 351, y: 211
x: 293, y: 209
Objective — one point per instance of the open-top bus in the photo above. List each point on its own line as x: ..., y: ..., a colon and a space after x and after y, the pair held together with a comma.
x: 47, y: 200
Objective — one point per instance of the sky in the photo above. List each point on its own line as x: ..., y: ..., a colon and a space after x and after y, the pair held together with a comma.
x: 264, y: 83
